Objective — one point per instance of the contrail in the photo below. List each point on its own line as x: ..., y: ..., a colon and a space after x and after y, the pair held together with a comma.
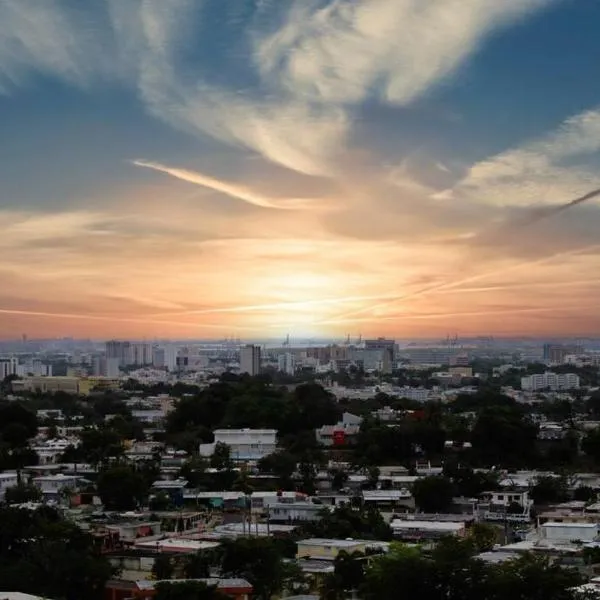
x: 546, y: 213
x: 537, y: 216
x: 275, y: 305
x: 453, y: 284
x: 239, y: 192
x: 33, y: 313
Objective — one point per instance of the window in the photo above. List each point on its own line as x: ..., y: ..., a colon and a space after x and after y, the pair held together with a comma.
x: 501, y: 497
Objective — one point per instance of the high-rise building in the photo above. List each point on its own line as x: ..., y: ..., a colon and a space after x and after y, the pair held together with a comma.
x: 382, y: 344
x: 250, y: 359
x: 286, y: 363
x: 8, y: 366
x: 129, y: 353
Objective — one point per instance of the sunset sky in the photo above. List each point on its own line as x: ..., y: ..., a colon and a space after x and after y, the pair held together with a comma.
x: 208, y: 168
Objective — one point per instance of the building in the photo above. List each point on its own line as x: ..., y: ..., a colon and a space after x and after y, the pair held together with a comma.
x: 557, y: 353
x: 413, y: 530
x: 7, y: 480
x: 129, y: 353
x: 328, y: 549
x: 51, y: 485
x: 8, y: 366
x: 344, y: 432
x: 105, y: 367
x: 382, y: 344
x: 549, y: 380
x: 244, y: 444
x: 250, y: 359
x: 118, y: 589
x: 286, y: 363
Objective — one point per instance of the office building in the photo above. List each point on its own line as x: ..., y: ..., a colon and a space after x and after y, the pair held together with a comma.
x: 8, y: 366
x: 286, y: 363
x: 250, y: 359
x: 382, y: 344
x: 129, y: 353
x: 552, y: 381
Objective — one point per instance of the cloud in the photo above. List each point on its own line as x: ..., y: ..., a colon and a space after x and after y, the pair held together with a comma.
x: 394, y: 50
x: 235, y: 191
x: 538, y: 172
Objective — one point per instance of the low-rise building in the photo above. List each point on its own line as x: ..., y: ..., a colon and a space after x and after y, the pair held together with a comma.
x: 7, y: 480
x: 328, y: 549
x: 414, y: 530
x: 245, y: 444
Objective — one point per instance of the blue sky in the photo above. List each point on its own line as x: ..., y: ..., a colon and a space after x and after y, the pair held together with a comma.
x: 200, y: 167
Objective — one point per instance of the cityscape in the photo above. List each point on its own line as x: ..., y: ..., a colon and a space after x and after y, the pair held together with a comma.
x: 299, y: 300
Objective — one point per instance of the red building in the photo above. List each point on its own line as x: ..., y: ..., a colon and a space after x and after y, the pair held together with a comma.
x: 238, y: 589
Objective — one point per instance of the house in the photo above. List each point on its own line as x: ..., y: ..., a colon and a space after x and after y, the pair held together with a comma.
x: 388, y: 499
x: 7, y: 480
x: 344, y: 432
x: 294, y: 512
x: 496, y: 505
x: 245, y: 444
x: 51, y: 486
x: 413, y: 530
x: 328, y: 549
x: 19, y: 596
x: 238, y: 589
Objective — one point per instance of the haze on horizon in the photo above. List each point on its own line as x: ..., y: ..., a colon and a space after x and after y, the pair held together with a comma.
x: 186, y: 168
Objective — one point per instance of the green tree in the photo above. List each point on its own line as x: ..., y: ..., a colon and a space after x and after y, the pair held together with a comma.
x: 590, y: 444
x: 548, y: 490
x: 100, y: 444
x: 257, y: 560
x: 349, y: 522
x: 121, y: 488
x: 584, y: 493
x: 22, y: 493
x: 45, y: 555
x: 187, y: 590
x: 221, y: 458
x: 503, y: 436
x: 163, y: 567
x: 433, y: 494
x: 483, y: 536
x: 281, y: 464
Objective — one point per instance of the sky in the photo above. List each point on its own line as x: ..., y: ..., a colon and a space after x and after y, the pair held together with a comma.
x: 209, y: 168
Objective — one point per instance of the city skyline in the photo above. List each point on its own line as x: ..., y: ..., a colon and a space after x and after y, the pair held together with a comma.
x: 181, y: 169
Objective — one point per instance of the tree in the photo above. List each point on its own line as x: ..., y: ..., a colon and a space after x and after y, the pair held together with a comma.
x: 257, y: 560
x: 163, y: 567
x: 100, y: 444
x: 187, y: 590
x: 281, y: 464
x: 433, y: 494
x: 591, y: 444
x: 45, y: 555
x: 221, y: 458
x: 197, y: 566
x: 121, y: 488
x: 348, y: 522
x: 502, y: 436
x: 584, y: 493
x: 548, y: 490
x: 483, y: 536
x: 22, y: 493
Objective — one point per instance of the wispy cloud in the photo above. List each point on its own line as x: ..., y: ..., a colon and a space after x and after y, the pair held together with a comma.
x: 394, y: 50
x: 235, y: 191
x: 537, y: 172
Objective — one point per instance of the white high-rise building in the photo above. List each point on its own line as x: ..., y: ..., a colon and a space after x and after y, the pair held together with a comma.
x: 287, y: 363
x: 549, y: 380
x: 8, y: 366
x: 250, y: 359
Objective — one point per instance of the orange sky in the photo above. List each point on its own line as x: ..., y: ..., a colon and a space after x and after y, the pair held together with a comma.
x: 153, y: 263
x: 190, y: 169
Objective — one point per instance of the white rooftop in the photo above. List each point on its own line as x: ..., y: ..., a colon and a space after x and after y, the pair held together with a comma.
x: 430, y: 525
x: 178, y: 545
